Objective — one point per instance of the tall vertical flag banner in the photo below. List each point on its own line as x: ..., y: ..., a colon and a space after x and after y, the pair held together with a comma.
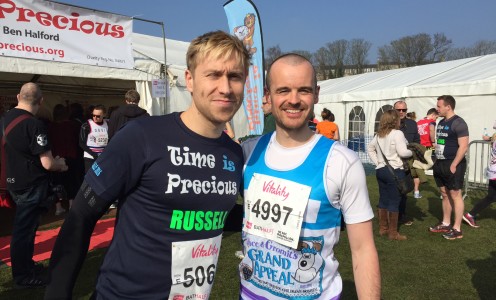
x: 244, y: 22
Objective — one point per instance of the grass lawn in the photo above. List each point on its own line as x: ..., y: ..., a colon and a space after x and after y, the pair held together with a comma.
x: 426, y: 266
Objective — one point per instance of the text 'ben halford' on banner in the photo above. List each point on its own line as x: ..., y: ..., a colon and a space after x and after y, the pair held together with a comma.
x: 44, y: 30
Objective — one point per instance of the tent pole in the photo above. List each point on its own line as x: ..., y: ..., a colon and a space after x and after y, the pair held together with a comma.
x: 165, y: 110
x: 164, y: 75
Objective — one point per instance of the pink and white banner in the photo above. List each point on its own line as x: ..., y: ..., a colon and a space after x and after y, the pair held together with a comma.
x: 45, y: 30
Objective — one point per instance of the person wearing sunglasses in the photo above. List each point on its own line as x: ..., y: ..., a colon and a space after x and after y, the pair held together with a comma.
x: 93, y: 137
x: 410, y: 130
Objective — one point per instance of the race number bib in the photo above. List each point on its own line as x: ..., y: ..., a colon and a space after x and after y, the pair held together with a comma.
x: 274, y: 209
x: 193, y: 268
x: 101, y: 140
x: 439, y: 151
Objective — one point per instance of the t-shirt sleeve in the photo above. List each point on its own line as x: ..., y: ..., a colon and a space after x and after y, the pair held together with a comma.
x: 39, y: 142
x: 347, y: 186
x: 248, y: 146
x: 119, y: 168
x: 460, y: 127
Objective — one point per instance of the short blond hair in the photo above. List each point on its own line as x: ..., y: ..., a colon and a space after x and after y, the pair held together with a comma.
x: 216, y: 44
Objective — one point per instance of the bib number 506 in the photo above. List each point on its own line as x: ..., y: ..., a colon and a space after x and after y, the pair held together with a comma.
x: 201, y: 275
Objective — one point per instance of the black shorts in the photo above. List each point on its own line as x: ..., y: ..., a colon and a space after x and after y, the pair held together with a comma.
x: 444, y: 177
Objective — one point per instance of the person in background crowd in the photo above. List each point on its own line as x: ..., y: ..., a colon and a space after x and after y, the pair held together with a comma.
x: 412, y: 116
x: 491, y: 188
x: 311, y: 122
x: 284, y: 159
x: 76, y: 112
x: 229, y: 130
x: 327, y: 127
x: 63, y: 135
x: 427, y: 133
x: 88, y: 113
x: 111, y: 110
x: 125, y: 113
x: 167, y: 223
x: 389, y: 142
x: 269, y: 121
x: 122, y: 115
x: 450, y: 166
x: 409, y: 129
x: 427, y: 128
x: 93, y: 136
x: 29, y: 161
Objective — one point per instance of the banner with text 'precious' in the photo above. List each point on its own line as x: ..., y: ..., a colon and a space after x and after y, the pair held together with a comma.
x: 45, y: 30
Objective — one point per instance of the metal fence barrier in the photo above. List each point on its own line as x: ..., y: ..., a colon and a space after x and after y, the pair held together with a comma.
x: 478, y: 156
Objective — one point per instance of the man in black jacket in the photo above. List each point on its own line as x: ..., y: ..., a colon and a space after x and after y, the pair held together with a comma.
x: 410, y: 130
x: 126, y: 112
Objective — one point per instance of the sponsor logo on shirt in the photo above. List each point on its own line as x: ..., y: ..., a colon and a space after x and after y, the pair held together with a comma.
x: 96, y: 168
x: 42, y: 140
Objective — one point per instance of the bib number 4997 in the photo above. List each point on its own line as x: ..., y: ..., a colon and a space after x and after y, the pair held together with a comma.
x: 266, y: 210
x: 200, y: 275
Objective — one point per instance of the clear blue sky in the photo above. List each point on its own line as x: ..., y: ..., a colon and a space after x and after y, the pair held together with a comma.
x: 310, y: 24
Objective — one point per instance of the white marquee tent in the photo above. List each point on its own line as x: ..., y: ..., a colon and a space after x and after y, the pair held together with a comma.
x: 362, y: 98
x: 89, y: 84
x: 67, y: 82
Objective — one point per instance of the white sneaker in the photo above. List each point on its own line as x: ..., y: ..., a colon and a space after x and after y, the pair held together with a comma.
x: 417, y: 195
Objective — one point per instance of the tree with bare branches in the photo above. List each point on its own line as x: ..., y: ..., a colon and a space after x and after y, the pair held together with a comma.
x: 271, y: 54
x: 338, y: 51
x: 357, y: 55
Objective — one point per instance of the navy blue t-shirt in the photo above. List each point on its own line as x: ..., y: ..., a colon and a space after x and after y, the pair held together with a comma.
x: 173, y: 185
x: 448, y: 132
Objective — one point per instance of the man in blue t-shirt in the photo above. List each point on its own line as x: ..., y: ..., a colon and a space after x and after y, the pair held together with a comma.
x: 176, y: 177
x: 450, y: 166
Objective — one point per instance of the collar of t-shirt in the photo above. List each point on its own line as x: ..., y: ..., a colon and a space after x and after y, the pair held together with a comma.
x: 283, y: 158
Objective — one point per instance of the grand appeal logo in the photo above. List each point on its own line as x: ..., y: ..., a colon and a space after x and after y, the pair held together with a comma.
x: 61, y: 22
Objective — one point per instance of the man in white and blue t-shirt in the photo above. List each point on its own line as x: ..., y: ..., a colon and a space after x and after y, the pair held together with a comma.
x: 297, y: 184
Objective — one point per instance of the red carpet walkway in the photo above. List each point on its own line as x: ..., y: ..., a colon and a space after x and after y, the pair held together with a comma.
x: 44, y: 241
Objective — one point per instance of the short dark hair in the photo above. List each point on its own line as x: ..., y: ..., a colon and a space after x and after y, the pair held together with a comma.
x: 432, y: 111
x: 294, y: 58
x: 99, y: 107
x: 448, y: 100
x: 132, y: 96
